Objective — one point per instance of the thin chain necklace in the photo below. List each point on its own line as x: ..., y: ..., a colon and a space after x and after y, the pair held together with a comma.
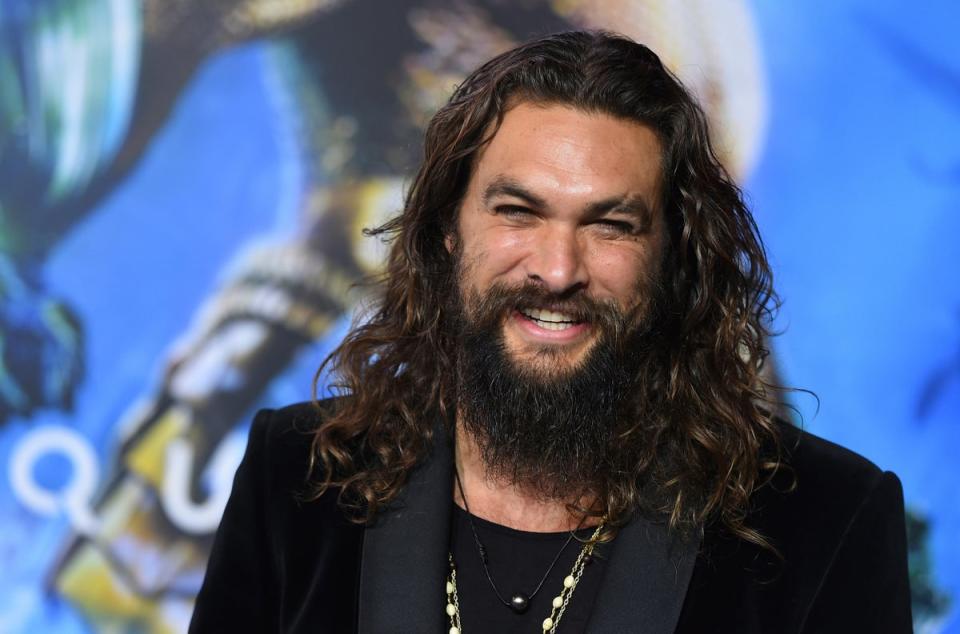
x: 558, y: 605
x: 519, y: 601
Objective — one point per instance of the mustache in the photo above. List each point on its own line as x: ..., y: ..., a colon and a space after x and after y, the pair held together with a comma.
x: 501, y: 299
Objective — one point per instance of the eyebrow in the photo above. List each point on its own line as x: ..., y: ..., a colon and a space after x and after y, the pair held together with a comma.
x: 506, y: 186
x: 633, y: 205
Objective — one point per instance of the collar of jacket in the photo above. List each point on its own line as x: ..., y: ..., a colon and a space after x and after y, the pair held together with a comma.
x: 404, y: 563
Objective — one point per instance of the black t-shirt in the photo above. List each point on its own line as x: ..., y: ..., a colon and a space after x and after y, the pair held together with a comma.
x: 517, y: 560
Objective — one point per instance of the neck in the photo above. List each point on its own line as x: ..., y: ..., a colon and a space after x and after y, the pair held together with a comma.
x: 508, y: 504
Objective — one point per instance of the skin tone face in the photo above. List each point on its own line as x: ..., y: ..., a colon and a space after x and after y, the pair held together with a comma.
x: 568, y: 200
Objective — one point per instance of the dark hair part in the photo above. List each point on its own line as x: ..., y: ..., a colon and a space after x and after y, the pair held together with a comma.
x: 701, y: 451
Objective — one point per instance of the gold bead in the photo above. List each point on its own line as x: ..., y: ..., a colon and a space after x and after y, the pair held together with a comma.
x: 454, y: 630
x: 557, y: 602
x: 449, y: 588
x: 451, y: 609
x: 547, y: 623
x: 568, y: 581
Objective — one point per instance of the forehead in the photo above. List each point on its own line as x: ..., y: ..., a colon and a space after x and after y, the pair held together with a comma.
x: 558, y: 149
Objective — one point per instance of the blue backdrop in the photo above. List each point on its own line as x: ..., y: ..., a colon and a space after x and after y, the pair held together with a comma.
x: 153, y: 246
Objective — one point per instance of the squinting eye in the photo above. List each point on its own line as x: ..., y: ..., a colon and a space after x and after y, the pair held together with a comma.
x: 617, y: 226
x: 513, y: 211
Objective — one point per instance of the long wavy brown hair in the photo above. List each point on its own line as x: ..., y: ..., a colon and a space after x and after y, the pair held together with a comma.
x: 708, y: 439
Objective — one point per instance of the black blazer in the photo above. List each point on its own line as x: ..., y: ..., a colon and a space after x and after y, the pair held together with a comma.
x: 280, y: 564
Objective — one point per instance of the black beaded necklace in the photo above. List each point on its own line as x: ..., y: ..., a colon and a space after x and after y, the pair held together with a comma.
x: 519, y: 601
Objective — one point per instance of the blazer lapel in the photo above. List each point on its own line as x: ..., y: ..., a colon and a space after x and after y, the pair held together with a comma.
x: 402, y: 569
x: 646, y: 580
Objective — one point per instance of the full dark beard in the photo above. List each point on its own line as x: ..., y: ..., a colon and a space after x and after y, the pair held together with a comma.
x: 548, y: 430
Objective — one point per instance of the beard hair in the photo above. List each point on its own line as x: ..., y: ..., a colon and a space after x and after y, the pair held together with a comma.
x: 545, y: 427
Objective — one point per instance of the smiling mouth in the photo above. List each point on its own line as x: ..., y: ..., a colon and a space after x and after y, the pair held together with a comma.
x: 549, y: 320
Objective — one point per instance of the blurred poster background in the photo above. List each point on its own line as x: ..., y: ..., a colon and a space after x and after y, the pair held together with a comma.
x: 183, y: 186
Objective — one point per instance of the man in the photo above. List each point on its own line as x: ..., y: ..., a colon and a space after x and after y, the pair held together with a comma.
x: 555, y: 418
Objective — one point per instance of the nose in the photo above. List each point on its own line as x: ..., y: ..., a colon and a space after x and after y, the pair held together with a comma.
x: 558, y: 260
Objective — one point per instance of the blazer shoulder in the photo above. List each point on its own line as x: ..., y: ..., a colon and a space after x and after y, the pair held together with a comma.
x: 285, y: 435
x: 821, y: 491
x: 822, y: 466
x: 292, y: 422
x: 836, y: 523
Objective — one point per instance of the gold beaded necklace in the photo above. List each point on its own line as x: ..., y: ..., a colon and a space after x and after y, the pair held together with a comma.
x: 560, y: 601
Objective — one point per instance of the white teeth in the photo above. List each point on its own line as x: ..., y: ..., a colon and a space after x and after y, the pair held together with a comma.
x: 550, y: 320
x: 552, y: 325
x: 548, y: 315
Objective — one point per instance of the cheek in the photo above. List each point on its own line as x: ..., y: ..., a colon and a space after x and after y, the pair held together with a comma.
x: 621, y: 272
x: 497, y: 253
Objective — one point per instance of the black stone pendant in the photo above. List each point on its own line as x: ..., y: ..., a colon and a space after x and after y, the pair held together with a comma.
x: 519, y: 602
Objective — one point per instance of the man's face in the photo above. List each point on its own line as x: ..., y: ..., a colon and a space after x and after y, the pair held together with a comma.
x: 565, y: 202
